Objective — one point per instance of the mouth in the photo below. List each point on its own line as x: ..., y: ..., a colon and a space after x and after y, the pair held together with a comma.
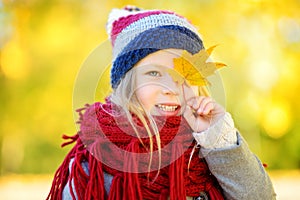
x: 168, y: 107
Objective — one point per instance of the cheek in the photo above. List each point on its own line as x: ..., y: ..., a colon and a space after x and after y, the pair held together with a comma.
x: 146, y: 96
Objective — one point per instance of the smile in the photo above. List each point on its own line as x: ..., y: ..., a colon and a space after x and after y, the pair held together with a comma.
x: 167, y: 108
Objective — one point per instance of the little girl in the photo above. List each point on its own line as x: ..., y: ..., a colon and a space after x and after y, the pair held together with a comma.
x: 157, y: 137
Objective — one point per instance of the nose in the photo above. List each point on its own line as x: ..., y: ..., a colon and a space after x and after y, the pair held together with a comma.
x: 168, y: 91
x: 170, y: 87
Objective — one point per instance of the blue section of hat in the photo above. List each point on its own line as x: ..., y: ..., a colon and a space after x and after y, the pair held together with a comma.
x: 150, y: 41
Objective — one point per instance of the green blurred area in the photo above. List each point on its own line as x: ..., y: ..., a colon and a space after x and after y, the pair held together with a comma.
x: 43, y: 44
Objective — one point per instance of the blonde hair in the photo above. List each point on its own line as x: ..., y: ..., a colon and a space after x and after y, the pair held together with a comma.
x: 124, y: 96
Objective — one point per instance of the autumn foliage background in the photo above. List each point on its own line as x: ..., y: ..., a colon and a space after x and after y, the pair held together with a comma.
x: 43, y: 44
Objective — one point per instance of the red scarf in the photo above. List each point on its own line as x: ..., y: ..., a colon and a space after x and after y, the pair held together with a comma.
x: 106, y: 141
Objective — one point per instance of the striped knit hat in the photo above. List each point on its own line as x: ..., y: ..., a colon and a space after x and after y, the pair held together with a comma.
x: 136, y: 33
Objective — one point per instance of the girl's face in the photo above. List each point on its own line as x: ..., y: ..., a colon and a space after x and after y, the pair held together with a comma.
x: 156, y: 90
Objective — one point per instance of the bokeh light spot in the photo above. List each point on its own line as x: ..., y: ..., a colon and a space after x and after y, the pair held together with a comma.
x: 276, y: 119
x: 263, y: 74
x: 14, y: 62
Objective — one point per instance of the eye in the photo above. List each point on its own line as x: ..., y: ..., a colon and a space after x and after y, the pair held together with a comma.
x: 154, y: 73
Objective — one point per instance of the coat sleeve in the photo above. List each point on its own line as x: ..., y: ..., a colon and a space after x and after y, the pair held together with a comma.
x: 66, y: 195
x: 239, y: 172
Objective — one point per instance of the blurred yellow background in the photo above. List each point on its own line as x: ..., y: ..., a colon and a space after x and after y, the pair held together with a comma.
x: 43, y: 44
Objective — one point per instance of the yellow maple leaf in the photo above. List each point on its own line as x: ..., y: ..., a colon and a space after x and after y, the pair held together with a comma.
x: 177, y: 77
x: 194, y: 68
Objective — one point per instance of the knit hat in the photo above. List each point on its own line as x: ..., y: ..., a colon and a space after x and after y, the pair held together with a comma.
x: 136, y: 33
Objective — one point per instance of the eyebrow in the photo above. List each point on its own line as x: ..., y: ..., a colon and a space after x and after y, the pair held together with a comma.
x: 153, y: 65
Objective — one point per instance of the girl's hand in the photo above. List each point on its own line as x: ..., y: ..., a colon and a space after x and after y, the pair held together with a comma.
x: 201, y: 111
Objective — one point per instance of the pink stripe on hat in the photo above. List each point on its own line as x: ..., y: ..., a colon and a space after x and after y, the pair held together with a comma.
x: 123, y: 22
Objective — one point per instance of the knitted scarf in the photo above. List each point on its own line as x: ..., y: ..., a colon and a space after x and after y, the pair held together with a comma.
x: 106, y: 141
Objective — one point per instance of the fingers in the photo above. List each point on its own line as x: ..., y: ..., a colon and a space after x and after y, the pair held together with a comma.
x: 201, y: 112
x: 202, y: 105
x: 196, y: 123
x: 208, y: 106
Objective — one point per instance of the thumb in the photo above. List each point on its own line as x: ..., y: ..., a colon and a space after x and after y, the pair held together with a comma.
x: 189, y: 116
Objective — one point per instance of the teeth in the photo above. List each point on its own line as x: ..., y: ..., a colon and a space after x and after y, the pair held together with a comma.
x: 167, y: 108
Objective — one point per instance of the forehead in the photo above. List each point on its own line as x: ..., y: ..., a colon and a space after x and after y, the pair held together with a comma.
x: 161, y: 58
